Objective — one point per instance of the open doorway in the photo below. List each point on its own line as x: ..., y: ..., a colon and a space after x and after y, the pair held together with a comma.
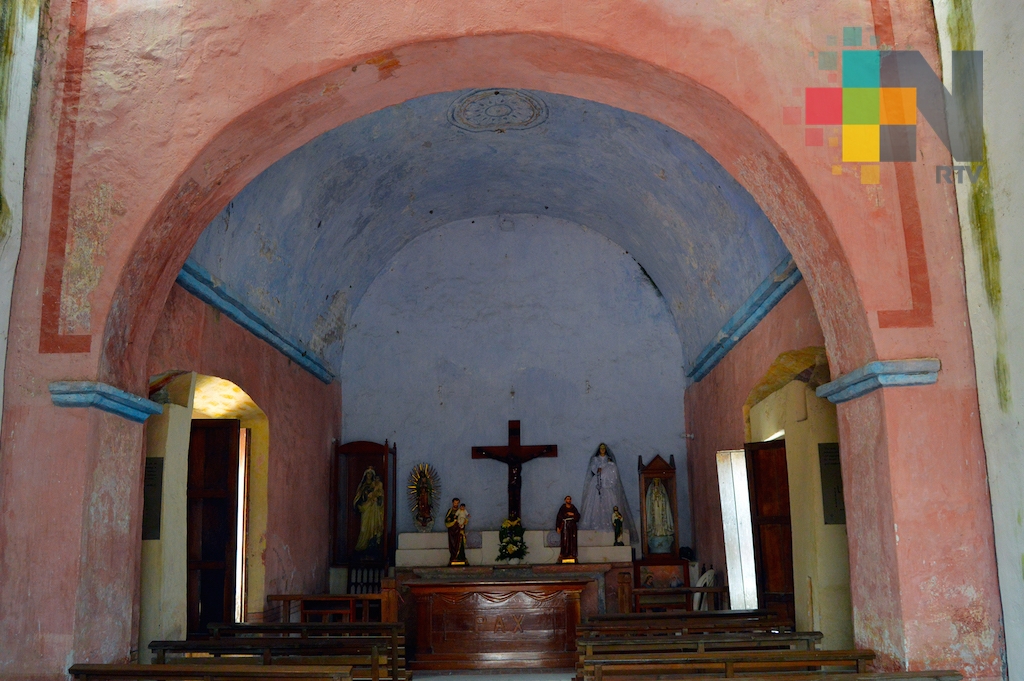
x: 203, y: 548
x: 216, y: 492
x: 782, y: 502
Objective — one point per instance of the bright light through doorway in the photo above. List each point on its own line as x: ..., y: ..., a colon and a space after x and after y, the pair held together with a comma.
x: 739, y: 537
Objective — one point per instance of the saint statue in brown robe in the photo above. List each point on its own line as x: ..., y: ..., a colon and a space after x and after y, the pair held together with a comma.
x: 456, y: 535
x: 566, y: 525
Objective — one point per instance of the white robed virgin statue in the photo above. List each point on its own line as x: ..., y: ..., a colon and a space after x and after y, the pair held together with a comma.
x: 602, y: 492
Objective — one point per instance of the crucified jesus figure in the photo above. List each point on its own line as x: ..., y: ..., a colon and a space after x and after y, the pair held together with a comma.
x: 514, y: 455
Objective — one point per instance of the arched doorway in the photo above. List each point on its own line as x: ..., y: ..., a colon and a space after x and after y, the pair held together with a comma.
x: 203, y: 557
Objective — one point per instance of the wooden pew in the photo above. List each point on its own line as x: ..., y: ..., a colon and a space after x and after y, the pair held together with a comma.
x: 365, y: 654
x: 699, y: 643
x: 658, y: 624
x: 207, y: 672
x: 680, y: 598
x: 681, y: 614
x: 925, y: 675
x: 723, y: 663
x: 395, y: 631
x: 308, y: 629
x: 606, y: 648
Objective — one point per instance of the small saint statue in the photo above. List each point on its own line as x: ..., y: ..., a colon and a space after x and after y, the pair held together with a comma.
x: 566, y: 525
x: 617, y: 525
x: 456, y: 532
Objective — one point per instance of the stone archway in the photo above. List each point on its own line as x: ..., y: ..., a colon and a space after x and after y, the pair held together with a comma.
x: 754, y: 158
x: 832, y: 236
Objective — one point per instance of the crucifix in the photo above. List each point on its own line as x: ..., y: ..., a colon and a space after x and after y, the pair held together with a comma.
x: 514, y: 456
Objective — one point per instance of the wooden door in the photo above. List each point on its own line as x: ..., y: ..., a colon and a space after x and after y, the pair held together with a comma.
x: 768, y: 482
x: 212, y: 510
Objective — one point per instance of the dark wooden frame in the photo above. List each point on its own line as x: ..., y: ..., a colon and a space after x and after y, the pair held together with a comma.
x: 347, y: 464
x: 783, y: 603
x: 666, y: 472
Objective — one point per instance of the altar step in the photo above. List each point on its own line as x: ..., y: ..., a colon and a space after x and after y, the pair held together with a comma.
x: 430, y: 549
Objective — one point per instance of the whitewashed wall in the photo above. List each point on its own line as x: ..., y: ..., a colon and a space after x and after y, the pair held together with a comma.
x: 998, y: 27
x: 515, y: 317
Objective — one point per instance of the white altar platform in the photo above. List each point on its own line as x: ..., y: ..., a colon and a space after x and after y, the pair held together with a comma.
x: 430, y: 549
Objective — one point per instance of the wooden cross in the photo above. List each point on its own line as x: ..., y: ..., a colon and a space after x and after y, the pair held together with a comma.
x: 514, y: 456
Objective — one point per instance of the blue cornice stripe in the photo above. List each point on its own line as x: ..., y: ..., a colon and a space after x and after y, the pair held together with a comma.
x: 755, y: 308
x: 880, y: 374
x: 103, y: 397
x: 197, y: 281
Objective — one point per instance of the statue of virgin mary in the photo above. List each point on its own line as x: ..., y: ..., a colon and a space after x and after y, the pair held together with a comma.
x: 602, y: 492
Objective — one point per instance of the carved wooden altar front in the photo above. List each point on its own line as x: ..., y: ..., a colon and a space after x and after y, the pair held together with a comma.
x: 480, y: 625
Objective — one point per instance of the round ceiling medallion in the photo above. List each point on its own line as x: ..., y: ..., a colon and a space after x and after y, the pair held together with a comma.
x: 497, y: 110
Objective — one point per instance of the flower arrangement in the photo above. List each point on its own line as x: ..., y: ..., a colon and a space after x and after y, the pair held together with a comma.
x: 510, y: 540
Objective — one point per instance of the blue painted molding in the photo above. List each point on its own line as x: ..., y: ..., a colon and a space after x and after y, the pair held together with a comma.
x: 103, y: 397
x: 880, y: 374
x: 200, y: 283
x: 766, y: 296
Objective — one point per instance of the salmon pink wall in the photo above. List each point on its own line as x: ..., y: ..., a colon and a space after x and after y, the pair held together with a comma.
x: 714, y: 409
x: 149, y: 117
x: 304, y: 417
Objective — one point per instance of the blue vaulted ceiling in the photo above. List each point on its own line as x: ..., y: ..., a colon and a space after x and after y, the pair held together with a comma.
x: 305, y: 239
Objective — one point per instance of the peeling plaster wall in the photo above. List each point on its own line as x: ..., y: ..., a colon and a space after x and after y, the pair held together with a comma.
x: 303, y: 416
x: 714, y: 409
x: 19, y: 30
x: 518, y: 317
x: 992, y: 222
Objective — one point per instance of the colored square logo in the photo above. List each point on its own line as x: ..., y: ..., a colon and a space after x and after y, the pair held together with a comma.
x: 897, y: 143
x: 824, y: 105
x: 860, y: 143
x: 870, y: 174
x: 860, y: 106
x: 814, y: 137
x: 853, y: 36
x: 861, y: 68
x: 898, y: 106
x: 828, y: 61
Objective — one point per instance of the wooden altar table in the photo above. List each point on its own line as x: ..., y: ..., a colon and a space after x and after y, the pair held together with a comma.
x: 491, y: 624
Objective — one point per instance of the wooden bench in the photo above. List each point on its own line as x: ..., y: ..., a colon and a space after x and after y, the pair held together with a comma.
x: 365, y: 654
x: 654, y: 625
x: 723, y: 663
x: 699, y: 643
x: 394, y: 631
x: 626, y: 616
x: 678, y: 598
x: 207, y: 672
x: 308, y: 629
x: 926, y: 675
x: 332, y: 607
x: 603, y: 647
